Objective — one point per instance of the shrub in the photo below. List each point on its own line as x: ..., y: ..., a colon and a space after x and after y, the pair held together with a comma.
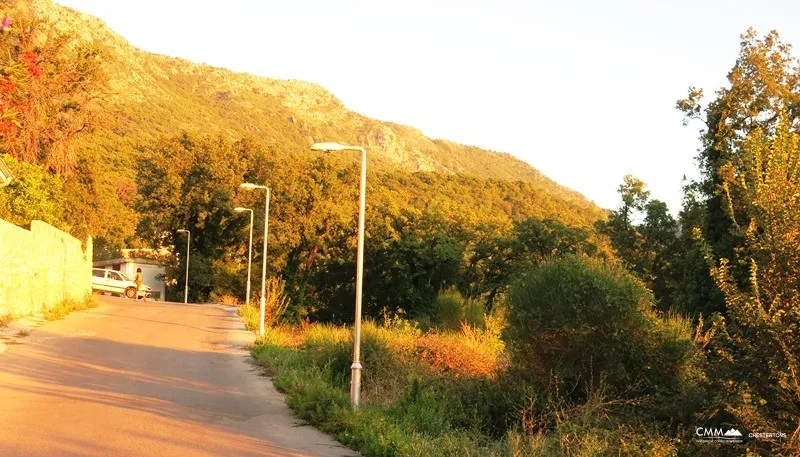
x: 276, y: 301
x: 451, y: 309
x: 577, y: 321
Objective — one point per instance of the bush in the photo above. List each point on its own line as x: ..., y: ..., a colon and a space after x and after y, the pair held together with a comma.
x: 575, y: 322
x: 451, y: 309
x: 33, y: 194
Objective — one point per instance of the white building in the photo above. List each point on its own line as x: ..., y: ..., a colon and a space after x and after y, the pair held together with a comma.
x: 152, y: 270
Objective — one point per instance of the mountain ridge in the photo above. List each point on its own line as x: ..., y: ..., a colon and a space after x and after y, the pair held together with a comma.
x: 148, y: 97
x: 403, y: 146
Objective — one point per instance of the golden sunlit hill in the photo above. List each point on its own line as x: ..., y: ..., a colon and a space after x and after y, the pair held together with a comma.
x: 148, y: 97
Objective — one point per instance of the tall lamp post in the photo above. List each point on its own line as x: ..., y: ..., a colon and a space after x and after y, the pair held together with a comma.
x: 250, y: 186
x: 5, y: 174
x: 186, y: 282
x: 250, y: 251
x: 355, y: 368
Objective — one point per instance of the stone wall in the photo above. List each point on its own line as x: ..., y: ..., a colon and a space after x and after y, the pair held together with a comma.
x: 41, y: 267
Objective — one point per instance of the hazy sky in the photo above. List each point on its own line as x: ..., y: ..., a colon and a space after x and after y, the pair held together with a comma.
x: 584, y: 90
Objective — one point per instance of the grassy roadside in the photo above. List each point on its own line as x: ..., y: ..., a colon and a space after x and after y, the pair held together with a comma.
x: 415, y: 426
x: 423, y: 393
x: 57, y: 312
x: 585, y: 367
x: 62, y: 309
x: 418, y: 405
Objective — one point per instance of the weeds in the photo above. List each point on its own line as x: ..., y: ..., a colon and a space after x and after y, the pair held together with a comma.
x: 444, y: 394
x: 250, y: 315
x: 62, y: 309
x: 274, y: 306
x: 6, y: 319
x: 22, y: 333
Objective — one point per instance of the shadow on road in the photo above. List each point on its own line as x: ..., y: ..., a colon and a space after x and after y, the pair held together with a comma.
x: 199, y: 390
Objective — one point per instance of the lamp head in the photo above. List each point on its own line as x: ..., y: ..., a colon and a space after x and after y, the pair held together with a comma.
x: 183, y: 231
x: 239, y: 209
x: 327, y: 147
x: 248, y: 186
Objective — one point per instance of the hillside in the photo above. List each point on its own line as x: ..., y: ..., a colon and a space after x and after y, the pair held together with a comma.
x: 151, y: 96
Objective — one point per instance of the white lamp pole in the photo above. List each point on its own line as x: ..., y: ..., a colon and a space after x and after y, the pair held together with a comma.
x: 186, y: 282
x: 355, y: 368
x: 5, y: 174
x: 250, y: 252
x: 251, y: 186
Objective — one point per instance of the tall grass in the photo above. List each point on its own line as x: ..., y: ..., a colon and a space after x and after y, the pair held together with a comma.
x: 62, y: 309
x: 6, y: 319
x: 451, y: 310
x: 448, y: 393
x: 275, y: 305
x: 408, y: 406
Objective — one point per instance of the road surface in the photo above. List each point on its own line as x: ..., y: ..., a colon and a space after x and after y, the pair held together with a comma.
x: 145, y: 379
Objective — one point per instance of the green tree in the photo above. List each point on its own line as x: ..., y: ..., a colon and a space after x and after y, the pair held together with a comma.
x: 188, y: 183
x: 763, y: 82
x: 33, y: 194
x: 644, y: 235
x: 757, y: 351
x: 496, y: 261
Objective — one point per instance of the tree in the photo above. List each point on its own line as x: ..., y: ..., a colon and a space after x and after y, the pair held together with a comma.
x: 48, y: 88
x: 644, y: 235
x: 189, y: 183
x: 695, y: 293
x: 495, y: 262
x: 758, y: 348
x: 764, y: 82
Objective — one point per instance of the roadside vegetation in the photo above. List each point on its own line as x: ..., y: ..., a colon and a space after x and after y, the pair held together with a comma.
x: 56, y: 312
x: 577, y: 362
x: 62, y: 309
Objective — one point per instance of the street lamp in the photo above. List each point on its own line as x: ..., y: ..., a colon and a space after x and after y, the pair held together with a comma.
x: 250, y: 186
x: 250, y: 251
x: 355, y: 376
x: 186, y: 282
x: 5, y: 174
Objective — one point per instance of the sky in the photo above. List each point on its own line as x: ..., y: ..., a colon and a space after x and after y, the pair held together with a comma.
x: 582, y: 90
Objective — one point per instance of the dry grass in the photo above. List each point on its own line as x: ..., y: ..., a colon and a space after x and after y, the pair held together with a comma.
x: 470, y: 353
x: 274, y: 306
x: 67, y: 306
x: 226, y: 299
x: 280, y: 335
x: 6, y: 319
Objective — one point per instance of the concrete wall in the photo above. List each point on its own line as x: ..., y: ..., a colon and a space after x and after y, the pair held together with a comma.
x: 41, y: 267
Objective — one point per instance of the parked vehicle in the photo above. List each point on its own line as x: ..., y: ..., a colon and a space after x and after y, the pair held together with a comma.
x: 114, y: 282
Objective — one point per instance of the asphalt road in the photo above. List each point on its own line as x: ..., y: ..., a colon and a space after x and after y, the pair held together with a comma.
x: 145, y: 379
